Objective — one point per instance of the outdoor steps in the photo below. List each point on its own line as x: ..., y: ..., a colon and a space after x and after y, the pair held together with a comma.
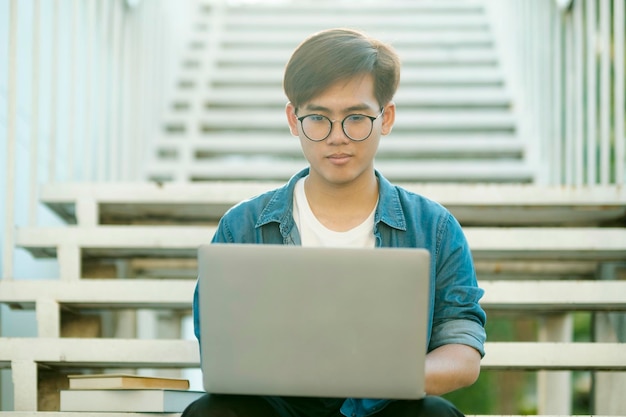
x: 269, y: 80
x: 268, y: 168
x: 152, y: 221
x: 492, y: 243
x: 450, y: 69
x: 456, y: 118
x: 503, y: 223
x: 91, y: 204
x: 441, y: 147
x: 23, y: 354
x: 175, y: 294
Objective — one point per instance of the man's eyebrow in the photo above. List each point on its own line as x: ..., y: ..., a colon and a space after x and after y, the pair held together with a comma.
x: 314, y: 107
x: 356, y: 107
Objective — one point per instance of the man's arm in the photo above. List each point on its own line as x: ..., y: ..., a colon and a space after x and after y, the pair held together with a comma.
x: 450, y: 367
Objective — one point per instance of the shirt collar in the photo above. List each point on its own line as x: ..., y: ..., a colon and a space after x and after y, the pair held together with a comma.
x: 389, y: 210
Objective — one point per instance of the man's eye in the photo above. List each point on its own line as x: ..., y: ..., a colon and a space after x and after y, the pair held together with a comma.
x: 316, y: 118
x: 354, y: 118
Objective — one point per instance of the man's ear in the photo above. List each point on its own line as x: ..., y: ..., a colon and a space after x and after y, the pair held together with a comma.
x: 292, y: 119
x: 389, y: 117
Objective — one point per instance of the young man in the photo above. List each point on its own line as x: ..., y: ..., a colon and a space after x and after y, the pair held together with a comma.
x: 340, y: 85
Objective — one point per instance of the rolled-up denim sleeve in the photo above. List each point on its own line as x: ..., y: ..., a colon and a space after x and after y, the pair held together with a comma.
x: 464, y: 332
x: 457, y: 316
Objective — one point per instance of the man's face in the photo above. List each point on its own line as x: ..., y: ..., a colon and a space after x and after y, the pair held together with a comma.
x: 338, y: 160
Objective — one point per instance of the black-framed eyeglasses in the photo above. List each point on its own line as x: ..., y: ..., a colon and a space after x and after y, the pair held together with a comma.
x: 357, y: 127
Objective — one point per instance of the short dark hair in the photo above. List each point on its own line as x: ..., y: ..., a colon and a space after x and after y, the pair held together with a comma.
x: 332, y: 55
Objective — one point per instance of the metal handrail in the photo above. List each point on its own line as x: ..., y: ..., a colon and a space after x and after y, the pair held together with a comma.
x: 566, y: 63
x: 95, y: 72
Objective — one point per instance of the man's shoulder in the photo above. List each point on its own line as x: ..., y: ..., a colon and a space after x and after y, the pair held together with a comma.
x: 276, y: 199
x: 267, y: 206
x: 415, y: 199
x: 255, y: 204
x: 407, y: 198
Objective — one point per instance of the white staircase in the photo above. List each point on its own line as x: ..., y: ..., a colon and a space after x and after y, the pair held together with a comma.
x: 456, y: 119
x: 129, y: 248
x: 541, y: 264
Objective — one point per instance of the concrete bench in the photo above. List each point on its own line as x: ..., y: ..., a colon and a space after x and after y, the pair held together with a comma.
x: 49, y: 297
x: 459, y: 75
x: 70, y: 244
x: 427, y: 148
x: 271, y: 95
x: 271, y: 168
x: 540, y: 295
x: 25, y: 355
x: 477, y: 204
x: 83, y: 353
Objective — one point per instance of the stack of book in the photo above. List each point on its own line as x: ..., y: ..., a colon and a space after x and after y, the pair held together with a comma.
x: 127, y: 393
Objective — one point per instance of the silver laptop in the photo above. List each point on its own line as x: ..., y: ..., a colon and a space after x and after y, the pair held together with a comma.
x: 324, y: 322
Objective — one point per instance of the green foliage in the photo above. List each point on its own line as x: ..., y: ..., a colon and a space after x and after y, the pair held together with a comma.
x: 514, y: 392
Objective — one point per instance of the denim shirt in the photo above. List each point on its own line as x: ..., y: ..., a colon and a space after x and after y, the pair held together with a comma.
x: 402, y: 219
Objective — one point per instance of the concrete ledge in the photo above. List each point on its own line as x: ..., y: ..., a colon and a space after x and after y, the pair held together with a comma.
x: 534, y: 296
x: 131, y: 353
x: 183, y: 241
x: 480, y: 204
x: 101, y: 353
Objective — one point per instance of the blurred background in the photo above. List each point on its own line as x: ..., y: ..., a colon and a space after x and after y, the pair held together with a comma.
x: 493, y: 93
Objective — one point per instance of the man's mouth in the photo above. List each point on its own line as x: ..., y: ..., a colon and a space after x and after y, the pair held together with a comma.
x: 339, y: 158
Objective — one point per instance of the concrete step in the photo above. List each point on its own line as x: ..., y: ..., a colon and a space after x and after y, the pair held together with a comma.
x: 400, y: 145
x: 411, y: 76
x: 64, y: 353
x: 24, y: 355
x: 176, y: 294
x: 312, y: 19
x: 554, y: 296
x: 443, y: 7
x: 554, y: 356
x: 472, y: 204
x: 411, y: 120
x: 407, y: 98
x: 427, y: 57
x: 100, y: 353
x: 401, y: 38
x: 398, y: 170
x: 503, y: 243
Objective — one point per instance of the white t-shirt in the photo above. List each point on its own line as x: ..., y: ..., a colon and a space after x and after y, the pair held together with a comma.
x: 314, y: 233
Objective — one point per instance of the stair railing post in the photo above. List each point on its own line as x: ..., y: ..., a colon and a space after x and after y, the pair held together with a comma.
x: 609, y: 387
x: 554, y: 388
x: 9, y: 226
x: 34, y: 124
x: 619, y: 33
x: 591, y: 91
x: 605, y: 92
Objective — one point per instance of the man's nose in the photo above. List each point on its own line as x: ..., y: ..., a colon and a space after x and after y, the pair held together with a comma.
x: 337, y: 135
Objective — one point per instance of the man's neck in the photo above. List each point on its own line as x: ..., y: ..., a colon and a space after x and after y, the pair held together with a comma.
x: 341, y: 207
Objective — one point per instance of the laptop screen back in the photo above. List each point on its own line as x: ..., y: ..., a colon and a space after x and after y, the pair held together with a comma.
x: 327, y: 322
